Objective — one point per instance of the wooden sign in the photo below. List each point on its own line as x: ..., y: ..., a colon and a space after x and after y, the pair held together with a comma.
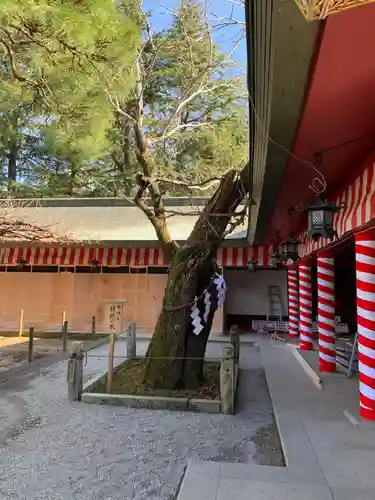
x: 114, y: 315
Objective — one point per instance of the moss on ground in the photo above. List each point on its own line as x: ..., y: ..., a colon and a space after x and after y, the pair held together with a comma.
x: 129, y: 380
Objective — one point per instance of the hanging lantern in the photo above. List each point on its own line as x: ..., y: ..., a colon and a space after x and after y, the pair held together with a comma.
x: 289, y: 250
x: 320, y: 219
x: 276, y: 260
x: 21, y: 263
x: 252, y: 265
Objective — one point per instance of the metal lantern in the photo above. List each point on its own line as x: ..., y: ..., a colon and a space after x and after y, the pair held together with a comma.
x: 252, y: 265
x: 289, y: 249
x: 21, y: 263
x: 276, y: 260
x: 320, y: 219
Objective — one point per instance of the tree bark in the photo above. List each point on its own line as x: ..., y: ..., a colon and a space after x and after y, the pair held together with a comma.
x: 71, y: 184
x: 12, y: 164
x: 13, y: 152
x: 169, y: 362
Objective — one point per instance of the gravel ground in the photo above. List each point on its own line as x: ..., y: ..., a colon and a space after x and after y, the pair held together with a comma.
x: 52, y: 449
x: 14, y: 350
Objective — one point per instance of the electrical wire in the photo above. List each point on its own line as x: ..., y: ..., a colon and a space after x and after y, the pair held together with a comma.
x: 319, y: 183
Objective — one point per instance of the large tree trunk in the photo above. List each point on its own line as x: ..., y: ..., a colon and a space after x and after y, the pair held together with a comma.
x: 175, y: 355
x: 12, y: 164
x: 168, y: 366
x: 13, y: 152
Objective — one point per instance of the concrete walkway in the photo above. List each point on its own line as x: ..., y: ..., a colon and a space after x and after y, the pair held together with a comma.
x: 327, y: 456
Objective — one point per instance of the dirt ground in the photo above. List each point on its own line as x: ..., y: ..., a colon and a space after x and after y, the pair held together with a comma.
x: 269, y: 448
x: 13, y: 350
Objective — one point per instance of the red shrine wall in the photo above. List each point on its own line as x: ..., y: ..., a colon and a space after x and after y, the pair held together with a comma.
x: 44, y: 297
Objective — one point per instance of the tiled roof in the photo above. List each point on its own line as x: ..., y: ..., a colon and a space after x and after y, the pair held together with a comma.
x: 108, y: 219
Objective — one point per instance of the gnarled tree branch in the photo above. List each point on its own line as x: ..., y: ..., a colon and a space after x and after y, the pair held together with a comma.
x: 200, y: 186
x: 211, y: 226
x: 156, y: 215
x: 13, y: 64
x: 190, y: 125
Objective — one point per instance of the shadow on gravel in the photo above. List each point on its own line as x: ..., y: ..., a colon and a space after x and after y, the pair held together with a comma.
x: 28, y: 422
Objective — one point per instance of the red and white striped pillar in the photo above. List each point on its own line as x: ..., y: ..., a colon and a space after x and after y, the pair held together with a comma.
x: 326, y: 311
x: 365, y: 267
x: 305, y: 307
x: 293, y: 302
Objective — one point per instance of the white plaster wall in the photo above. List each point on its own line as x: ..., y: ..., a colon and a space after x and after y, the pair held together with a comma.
x: 248, y: 292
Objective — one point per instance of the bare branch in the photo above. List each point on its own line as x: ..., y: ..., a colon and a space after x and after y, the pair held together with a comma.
x: 229, y: 21
x: 198, y: 84
x: 191, y: 125
x: 231, y: 52
x: 194, y: 213
x: 118, y: 109
x: 139, y: 93
x: 203, y: 89
x: 167, y: 9
x: 148, y: 24
x: 223, y: 22
x: 201, y: 186
x: 240, y: 3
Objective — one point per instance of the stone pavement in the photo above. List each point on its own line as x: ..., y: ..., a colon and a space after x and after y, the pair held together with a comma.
x: 328, y: 458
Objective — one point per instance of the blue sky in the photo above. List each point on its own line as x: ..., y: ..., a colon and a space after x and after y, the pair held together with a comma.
x: 224, y: 37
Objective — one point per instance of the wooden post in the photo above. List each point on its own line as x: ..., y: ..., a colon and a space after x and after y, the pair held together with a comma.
x: 64, y: 335
x: 75, y: 371
x: 111, y: 359
x: 20, y: 331
x: 63, y: 317
x: 227, y: 391
x: 234, y: 333
x: 93, y: 325
x: 31, y: 344
x: 131, y: 341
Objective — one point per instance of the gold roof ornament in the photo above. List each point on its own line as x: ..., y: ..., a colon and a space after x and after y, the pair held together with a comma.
x: 320, y: 9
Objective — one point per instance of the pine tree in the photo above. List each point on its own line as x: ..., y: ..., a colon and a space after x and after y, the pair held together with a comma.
x: 59, y: 59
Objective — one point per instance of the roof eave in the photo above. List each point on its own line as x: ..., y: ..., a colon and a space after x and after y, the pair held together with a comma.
x: 281, y: 46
